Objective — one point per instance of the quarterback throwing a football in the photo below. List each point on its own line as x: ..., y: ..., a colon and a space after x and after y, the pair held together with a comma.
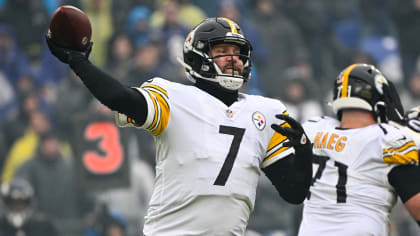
x: 212, y: 141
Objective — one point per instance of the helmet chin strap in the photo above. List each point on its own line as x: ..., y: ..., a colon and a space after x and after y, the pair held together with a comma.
x: 380, y: 111
x: 228, y: 81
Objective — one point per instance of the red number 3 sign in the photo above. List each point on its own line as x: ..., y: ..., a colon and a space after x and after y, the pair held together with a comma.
x: 110, y: 144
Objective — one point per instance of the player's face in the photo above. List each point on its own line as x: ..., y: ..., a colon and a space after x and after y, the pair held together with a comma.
x: 228, y: 64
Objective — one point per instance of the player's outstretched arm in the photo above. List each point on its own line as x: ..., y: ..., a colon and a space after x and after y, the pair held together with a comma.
x: 292, y: 175
x: 106, y: 89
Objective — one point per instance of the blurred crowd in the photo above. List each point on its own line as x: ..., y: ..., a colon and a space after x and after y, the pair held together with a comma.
x: 299, y: 48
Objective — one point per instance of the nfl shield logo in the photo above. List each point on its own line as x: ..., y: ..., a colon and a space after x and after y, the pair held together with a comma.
x: 229, y: 113
x: 259, y: 120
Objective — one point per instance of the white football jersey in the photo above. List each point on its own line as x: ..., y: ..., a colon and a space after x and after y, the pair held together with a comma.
x: 208, y: 159
x: 413, y: 134
x: 350, y: 192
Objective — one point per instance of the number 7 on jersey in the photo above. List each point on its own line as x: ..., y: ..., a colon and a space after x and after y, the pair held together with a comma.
x: 238, y: 134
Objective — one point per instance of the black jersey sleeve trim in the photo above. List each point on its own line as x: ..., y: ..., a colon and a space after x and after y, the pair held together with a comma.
x: 383, y: 129
x: 406, y: 180
x: 291, y: 177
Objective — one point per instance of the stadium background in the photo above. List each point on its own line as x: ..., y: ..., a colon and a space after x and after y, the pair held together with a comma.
x: 299, y: 48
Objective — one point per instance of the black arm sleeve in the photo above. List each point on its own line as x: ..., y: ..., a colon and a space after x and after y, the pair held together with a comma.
x: 291, y: 176
x: 406, y: 181
x: 109, y: 91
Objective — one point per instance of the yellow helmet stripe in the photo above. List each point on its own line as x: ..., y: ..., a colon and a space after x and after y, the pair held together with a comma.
x: 346, y: 80
x: 232, y: 25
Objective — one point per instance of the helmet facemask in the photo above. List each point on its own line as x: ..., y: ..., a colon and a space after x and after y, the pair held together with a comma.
x: 230, y: 81
x: 18, y: 201
x: 17, y: 212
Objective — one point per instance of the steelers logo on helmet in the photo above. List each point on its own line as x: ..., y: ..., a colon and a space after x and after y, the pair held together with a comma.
x: 188, y: 42
x: 198, y: 62
x: 380, y: 81
x: 360, y: 86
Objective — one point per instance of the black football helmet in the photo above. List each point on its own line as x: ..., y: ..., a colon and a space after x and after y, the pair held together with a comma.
x: 363, y: 86
x: 200, y: 65
x: 395, y: 109
x: 18, y: 199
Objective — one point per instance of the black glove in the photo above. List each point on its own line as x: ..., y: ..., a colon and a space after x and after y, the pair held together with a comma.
x: 65, y: 55
x: 296, y: 135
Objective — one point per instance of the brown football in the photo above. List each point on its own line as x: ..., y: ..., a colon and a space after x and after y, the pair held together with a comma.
x: 70, y: 28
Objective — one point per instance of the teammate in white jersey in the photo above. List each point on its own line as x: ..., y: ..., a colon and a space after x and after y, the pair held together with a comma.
x: 212, y: 141
x: 361, y: 163
x: 400, y: 217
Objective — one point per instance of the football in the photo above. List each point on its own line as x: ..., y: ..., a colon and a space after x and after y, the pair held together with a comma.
x: 70, y: 28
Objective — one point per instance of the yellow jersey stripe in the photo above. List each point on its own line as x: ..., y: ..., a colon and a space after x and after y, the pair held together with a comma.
x: 155, y: 105
x: 156, y: 87
x: 402, y: 148
x: 163, y: 117
x: 158, y: 93
x: 346, y: 80
x: 162, y: 101
x: 275, y: 141
x: 406, y: 146
x: 232, y: 25
x: 277, y: 138
x: 159, y: 111
x: 411, y: 157
x: 276, y: 153
x: 163, y: 123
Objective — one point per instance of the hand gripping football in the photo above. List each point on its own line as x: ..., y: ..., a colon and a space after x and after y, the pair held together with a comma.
x: 70, y: 28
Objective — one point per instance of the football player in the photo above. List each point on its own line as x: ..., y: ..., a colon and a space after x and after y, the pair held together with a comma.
x: 411, y: 124
x: 212, y: 141
x: 361, y: 163
x: 19, y: 216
